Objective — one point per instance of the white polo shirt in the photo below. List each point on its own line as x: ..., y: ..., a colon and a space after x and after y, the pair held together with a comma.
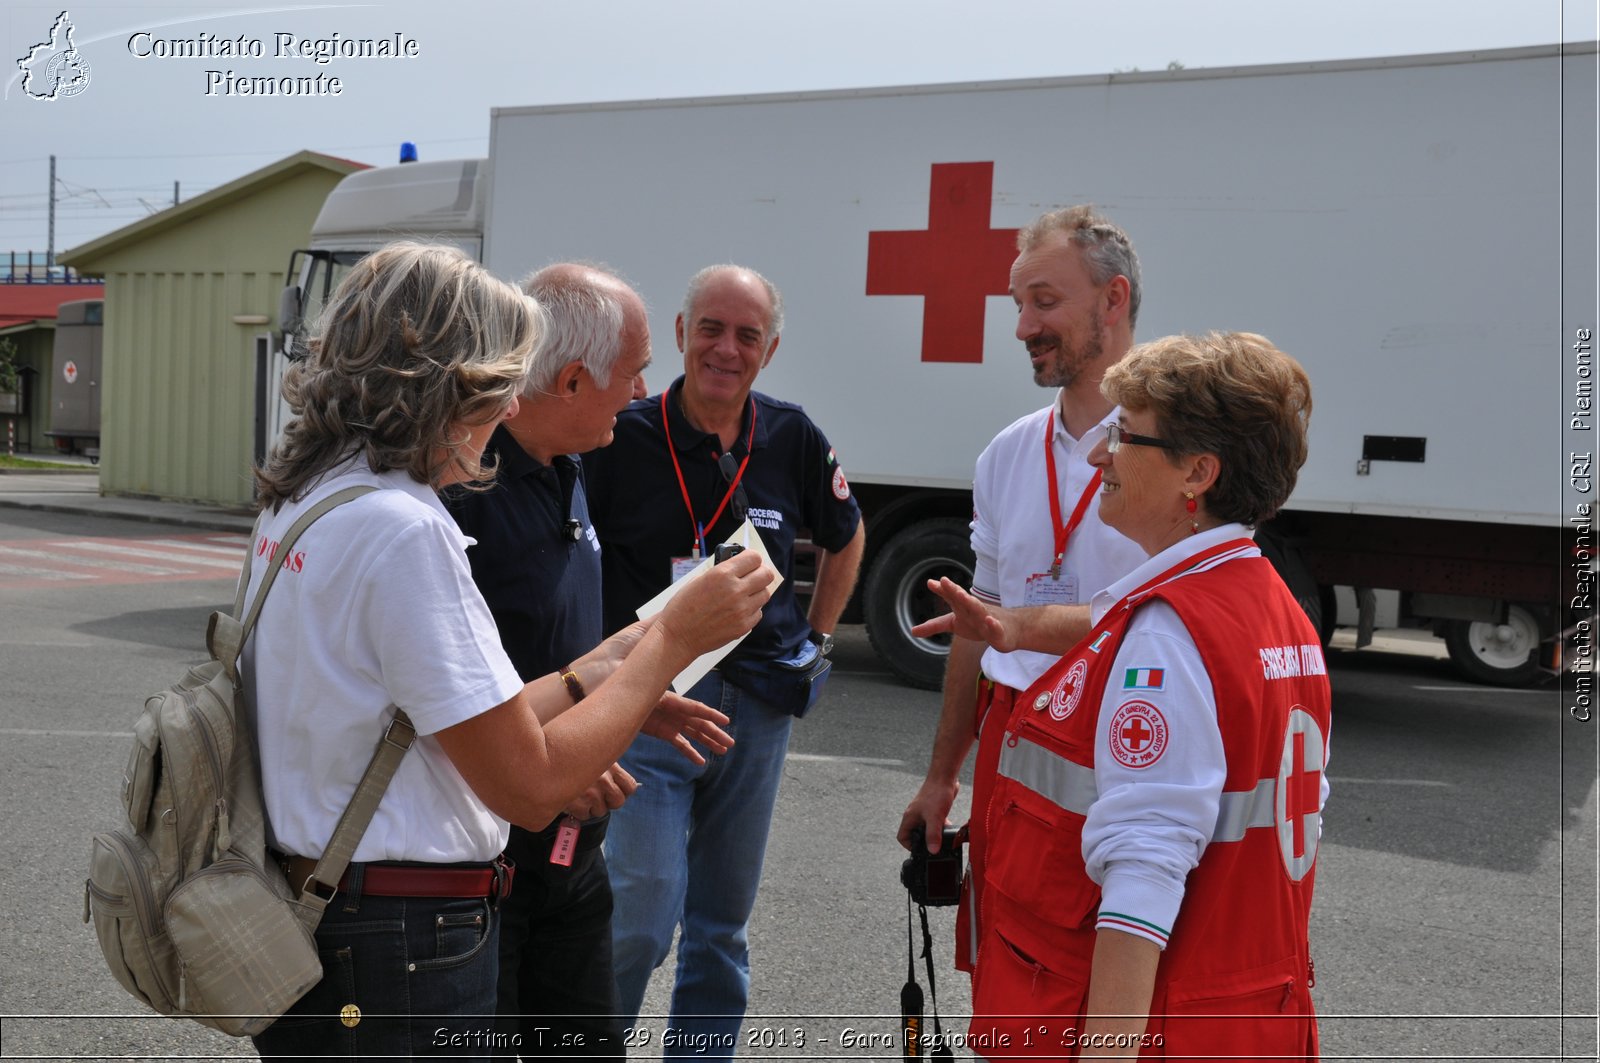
x: 1013, y: 532
x: 375, y: 606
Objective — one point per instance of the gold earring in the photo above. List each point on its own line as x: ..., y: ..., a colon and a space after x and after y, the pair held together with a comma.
x: 1190, y: 505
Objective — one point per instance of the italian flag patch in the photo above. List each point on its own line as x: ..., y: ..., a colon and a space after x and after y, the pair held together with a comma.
x: 1142, y: 679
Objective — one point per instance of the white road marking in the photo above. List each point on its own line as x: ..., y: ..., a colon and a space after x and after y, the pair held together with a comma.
x: 236, y: 551
x: 155, y: 555
x: 40, y: 573
x: 845, y: 760
x: 86, y: 562
x: 25, y: 732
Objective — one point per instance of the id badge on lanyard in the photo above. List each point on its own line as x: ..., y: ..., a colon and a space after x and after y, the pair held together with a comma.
x: 1045, y: 589
x: 1055, y: 587
x: 682, y: 566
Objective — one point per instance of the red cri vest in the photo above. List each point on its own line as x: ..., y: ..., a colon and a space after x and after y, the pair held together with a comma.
x: 1235, y: 975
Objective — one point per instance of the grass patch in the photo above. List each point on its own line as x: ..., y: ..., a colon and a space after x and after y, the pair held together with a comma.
x: 8, y: 462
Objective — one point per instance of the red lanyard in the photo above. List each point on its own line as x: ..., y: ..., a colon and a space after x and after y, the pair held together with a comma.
x: 700, y: 529
x: 1062, y: 531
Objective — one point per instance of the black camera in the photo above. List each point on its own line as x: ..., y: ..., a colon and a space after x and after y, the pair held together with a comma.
x: 724, y: 551
x: 934, y: 879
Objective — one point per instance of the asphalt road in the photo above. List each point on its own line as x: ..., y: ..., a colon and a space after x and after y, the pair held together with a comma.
x: 1455, y: 912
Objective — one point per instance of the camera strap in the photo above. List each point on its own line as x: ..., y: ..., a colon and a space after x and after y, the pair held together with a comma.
x: 911, y: 1040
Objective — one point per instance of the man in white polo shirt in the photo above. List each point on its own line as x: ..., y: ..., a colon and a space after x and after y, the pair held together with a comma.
x: 1036, y: 527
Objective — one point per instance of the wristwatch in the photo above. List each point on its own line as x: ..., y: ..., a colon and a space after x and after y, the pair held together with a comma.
x: 824, y: 642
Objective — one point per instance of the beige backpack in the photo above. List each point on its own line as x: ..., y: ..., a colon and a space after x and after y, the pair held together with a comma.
x: 193, y: 915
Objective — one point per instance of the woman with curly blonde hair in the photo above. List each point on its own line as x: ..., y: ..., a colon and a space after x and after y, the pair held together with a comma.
x: 419, y: 355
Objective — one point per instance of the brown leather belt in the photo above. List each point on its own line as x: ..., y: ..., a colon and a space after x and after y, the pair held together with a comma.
x: 414, y: 880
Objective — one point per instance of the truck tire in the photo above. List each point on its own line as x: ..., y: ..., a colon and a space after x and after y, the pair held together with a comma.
x: 1503, y: 655
x: 897, y: 596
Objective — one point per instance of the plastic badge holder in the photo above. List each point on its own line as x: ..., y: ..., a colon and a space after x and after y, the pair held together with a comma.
x: 746, y: 536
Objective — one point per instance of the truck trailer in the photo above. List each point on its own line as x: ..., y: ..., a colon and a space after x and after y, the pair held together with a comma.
x: 1418, y: 231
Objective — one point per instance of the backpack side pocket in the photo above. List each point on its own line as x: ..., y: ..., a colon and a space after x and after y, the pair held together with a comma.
x: 144, y: 767
x: 244, y: 957
x: 120, y: 895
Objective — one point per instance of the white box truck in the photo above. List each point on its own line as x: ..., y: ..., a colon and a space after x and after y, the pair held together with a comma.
x: 1418, y: 231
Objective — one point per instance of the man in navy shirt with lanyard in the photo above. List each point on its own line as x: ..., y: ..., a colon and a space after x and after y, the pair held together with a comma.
x: 1036, y: 530
x: 688, y: 466
x: 537, y: 563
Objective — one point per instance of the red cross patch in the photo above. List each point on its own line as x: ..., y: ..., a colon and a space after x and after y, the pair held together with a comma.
x: 1069, y: 691
x: 1298, y: 796
x: 841, y: 486
x: 1138, y: 734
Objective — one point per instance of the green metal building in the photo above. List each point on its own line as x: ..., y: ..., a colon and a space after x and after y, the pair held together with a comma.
x: 191, y: 300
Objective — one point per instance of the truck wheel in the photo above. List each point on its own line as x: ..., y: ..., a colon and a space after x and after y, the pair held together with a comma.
x: 1499, y: 654
x: 897, y: 596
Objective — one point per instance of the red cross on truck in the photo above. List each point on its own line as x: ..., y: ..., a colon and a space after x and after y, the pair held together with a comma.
x: 953, y: 264
x: 1306, y: 203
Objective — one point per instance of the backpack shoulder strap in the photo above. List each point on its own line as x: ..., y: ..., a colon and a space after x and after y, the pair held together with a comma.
x: 244, y: 569
x: 397, y: 738
x: 226, y: 634
x: 306, y: 519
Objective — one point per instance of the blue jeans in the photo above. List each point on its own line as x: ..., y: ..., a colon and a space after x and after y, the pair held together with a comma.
x: 421, y: 971
x: 687, y: 848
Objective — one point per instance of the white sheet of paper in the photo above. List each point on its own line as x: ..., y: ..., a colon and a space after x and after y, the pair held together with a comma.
x: 746, y: 536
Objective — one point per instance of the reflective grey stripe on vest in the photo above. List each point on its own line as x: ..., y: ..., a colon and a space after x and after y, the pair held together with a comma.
x: 1242, y: 809
x: 1050, y: 775
x: 1071, y: 787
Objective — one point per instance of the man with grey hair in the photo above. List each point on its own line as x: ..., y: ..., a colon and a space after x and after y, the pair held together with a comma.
x: 687, y: 469
x: 537, y: 563
x: 1036, y: 530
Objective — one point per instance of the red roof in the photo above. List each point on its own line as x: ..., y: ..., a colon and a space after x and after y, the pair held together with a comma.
x: 22, y: 303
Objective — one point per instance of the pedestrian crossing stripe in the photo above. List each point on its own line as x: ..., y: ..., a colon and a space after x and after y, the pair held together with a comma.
x: 97, y: 560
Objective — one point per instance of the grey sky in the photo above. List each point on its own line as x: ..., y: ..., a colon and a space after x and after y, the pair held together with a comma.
x: 142, y: 123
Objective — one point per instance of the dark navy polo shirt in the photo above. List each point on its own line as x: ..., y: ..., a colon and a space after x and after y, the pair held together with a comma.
x: 793, y: 482
x: 542, y: 587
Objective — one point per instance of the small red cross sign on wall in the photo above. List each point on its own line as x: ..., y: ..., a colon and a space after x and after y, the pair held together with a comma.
x: 953, y: 264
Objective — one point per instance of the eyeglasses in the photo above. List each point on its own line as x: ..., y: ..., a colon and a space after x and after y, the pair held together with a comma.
x: 1116, y: 436
x: 728, y: 465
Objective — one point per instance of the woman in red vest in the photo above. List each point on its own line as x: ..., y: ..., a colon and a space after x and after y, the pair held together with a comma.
x: 1157, y: 807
